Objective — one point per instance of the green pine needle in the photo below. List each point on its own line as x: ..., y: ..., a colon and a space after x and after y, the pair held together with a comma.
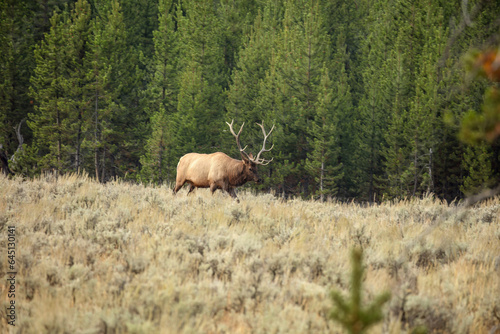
x: 350, y: 312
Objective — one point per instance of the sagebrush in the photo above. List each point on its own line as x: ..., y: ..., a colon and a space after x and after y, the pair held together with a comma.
x: 127, y: 258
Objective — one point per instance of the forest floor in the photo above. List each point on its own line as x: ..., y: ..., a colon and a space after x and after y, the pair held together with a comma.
x: 128, y: 258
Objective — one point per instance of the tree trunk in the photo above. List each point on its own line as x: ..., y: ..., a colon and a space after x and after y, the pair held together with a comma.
x: 160, y: 165
x: 321, y: 178
x: 415, y: 162
x: 96, y: 125
x: 431, y: 183
x: 78, y: 143
x: 103, y: 168
x: 59, y: 135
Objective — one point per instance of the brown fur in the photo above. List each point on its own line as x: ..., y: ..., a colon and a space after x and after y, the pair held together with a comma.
x: 214, y: 171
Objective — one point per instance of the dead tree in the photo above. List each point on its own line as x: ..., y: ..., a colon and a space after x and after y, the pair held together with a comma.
x: 3, y: 155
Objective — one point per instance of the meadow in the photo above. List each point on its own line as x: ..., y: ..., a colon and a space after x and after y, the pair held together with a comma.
x: 129, y: 258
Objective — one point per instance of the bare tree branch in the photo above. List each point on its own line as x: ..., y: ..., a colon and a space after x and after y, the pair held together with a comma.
x: 485, y: 194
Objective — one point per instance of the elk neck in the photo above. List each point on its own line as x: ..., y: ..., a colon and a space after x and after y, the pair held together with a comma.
x: 237, y: 176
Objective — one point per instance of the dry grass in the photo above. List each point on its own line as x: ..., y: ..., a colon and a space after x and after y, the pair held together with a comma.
x: 123, y: 258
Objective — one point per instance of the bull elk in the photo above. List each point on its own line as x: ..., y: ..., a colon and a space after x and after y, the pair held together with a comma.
x: 219, y: 171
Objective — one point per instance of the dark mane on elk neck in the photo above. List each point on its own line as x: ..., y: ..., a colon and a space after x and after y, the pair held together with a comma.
x: 218, y: 170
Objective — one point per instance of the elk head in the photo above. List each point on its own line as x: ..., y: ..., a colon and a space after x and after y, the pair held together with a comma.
x: 249, y: 162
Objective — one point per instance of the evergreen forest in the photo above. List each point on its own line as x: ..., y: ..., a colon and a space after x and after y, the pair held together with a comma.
x: 370, y: 99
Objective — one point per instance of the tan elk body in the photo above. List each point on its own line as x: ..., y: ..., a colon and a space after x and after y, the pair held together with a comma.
x: 219, y: 171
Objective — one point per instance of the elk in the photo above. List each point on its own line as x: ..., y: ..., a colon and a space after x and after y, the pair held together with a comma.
x: 219, y: 171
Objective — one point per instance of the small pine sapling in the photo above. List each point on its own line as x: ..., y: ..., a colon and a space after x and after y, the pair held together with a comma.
x: 349, y: 312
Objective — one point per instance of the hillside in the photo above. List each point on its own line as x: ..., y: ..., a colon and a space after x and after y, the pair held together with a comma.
x: 127, y: 258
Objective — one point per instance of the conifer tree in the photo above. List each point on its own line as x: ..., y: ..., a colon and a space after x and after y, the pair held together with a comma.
x: 50, y: 121
x: 158, y: 161
x: 108, y: 75
x: 140, y: 18
x: 161, y: 148
x: 289, y: 90
x: 396, y: 151
x: 412, y: 137
x: 479, y: 174
x: 422, y: 120
x: 243, y: 96
x: 78, y: 101
x: 322, y: 162
x: 6, y: 72
x: 203, y: 75
x: 374, y: 105
x: 163, y: 89
x: 348, y: 120
x: 351, y: 312
x: 237, y: 18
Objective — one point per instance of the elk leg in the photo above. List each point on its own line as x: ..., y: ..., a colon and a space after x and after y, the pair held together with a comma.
x: 178, y: 186
x: 191, y: 188
x: 213, y: 188
x: 232, y: 192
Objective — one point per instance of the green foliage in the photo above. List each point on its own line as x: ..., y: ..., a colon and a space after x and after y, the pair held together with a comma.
x: 6, y: 63
x: 25, y: 161
x: 479, y: 174
x: 203, y: 75
x: 350, y: 312
x: 53, y: 115
x: 163, y: 88
x: 322, y: 163
x: 375, y: 101
x: 484, y: 125
x: 108, y: 74
x: 159, y: 160
x: 357, y: 90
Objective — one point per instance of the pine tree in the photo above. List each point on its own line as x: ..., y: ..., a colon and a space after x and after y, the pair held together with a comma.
x: 108, y: 75
x: 374, y: 105
x: 141, y: 19
x: 203, y: 75
x: 422, y: 121
x: 322, y: 162
x: 461, y: 94
x: 163, y: 89
x: 396, y: 152
x: 50, y: 121
x: 251, y: 68
x: 288, y: 91
x: 157, y: 163
x: 79, y: 30
x: 413, y: 137
x: 236, y: 21
x: 351, y: 312
x: 23, y: 26
x: 161, y: 149
x: 243, y: 96
x: 477, y: 163
x: 347, y: 20
x: 6, y: 73
x: 348, y: 120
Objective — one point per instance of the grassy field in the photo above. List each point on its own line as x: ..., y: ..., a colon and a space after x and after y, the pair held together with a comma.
x: 124, y: 258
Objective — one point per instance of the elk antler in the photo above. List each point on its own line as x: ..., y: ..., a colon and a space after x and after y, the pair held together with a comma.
x: 244, y: 154
x: 257, y: 159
